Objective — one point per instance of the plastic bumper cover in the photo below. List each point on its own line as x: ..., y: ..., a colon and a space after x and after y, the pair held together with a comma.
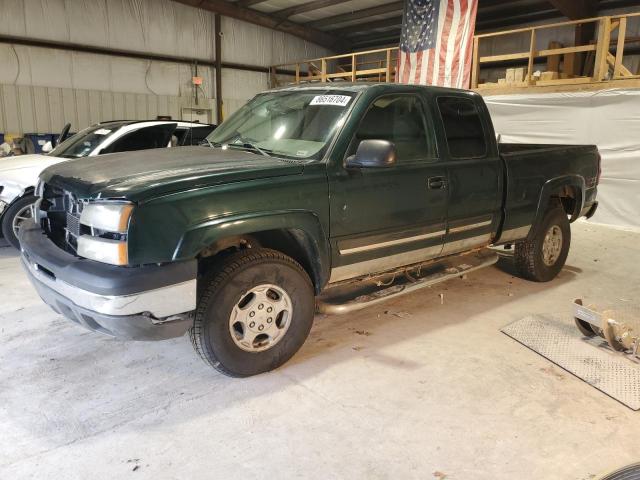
x: 138, y: 303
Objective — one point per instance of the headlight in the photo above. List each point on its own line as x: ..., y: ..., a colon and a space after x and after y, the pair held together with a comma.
x: 109, y: 222
x: 110, y: 216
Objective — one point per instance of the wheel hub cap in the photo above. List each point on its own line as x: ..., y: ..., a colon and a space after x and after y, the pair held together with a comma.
x: 21, y: 217
x: 552, y: 246
x: 260, y: 318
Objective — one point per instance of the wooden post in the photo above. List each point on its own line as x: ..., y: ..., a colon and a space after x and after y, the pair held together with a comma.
x: 532, y: 56
x: 297, y: 73
x: 353, y: 67
x: 475, y: 66
x: 388, y: 77
x: 324, y: 70
x: 602, y: 48
x: 622, y: 33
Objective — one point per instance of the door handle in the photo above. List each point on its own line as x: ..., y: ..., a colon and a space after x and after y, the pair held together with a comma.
x: 436, y: 183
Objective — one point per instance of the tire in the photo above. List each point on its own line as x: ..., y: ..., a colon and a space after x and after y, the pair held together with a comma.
x: 249, y: 283
x: 531, y: 261
x: 13, y: 212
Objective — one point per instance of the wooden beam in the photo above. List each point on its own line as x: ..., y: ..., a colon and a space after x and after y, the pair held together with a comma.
x: 604, y: 38
x: 576, y: 9
x: 357, y: 15
x: 475, y: 65
x: 532, y: 56
x: 228, y: 9
x: 306, y: 7
x: 622, y: 33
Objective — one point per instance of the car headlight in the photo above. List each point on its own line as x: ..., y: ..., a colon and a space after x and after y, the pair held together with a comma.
x: 108, y: 223
x: 109, y: 216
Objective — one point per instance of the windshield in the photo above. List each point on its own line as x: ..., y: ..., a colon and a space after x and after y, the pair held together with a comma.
x: 83, y: 143
x: 291, y: 124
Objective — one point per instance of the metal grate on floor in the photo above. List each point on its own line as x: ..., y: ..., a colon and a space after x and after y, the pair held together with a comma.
x: 590, y: 359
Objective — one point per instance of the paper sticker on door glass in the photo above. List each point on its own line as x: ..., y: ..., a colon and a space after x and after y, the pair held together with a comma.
x: 337, y: 100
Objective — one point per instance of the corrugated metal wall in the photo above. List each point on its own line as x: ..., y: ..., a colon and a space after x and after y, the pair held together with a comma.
x: 42, y: 88
x: 32, y: 109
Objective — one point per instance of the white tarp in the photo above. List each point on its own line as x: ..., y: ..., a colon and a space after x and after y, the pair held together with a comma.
x: 609, y: 119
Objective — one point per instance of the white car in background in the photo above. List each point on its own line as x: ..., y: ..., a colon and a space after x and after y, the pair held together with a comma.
x: 19, y: 175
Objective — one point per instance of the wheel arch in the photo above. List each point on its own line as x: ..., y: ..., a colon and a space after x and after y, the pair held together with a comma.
x: 297, y: 234
x: 568, y: 190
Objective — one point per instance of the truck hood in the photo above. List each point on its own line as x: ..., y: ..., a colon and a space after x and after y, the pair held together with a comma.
x: 149, y: 173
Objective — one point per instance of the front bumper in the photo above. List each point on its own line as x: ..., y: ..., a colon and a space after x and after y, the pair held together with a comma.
x: 135, y: 303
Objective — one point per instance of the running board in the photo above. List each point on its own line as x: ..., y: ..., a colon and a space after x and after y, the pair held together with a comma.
x: 359, y: 294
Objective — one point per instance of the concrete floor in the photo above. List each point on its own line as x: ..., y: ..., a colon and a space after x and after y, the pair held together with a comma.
x: 409, y: 389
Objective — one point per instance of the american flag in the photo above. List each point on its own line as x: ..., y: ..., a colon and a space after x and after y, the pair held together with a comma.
x: 436, y: 43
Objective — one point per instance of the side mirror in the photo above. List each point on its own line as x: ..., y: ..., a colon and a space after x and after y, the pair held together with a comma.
x: 373, y: 154
x: 64, y: 134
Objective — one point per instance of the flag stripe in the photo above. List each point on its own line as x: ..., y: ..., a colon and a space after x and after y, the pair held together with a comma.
x: 444, y: 44
x: 455, y: 68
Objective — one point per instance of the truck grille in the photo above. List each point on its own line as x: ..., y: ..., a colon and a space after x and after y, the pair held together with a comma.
x: 61, y: 217
x: 73, y: 224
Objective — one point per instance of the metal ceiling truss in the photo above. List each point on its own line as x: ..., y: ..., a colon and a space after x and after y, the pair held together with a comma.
x: 357, y: 29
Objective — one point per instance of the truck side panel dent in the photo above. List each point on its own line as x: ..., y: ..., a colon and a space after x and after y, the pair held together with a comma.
x: 303, y: 228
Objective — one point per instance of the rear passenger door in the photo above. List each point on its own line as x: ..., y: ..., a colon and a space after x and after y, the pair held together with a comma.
x: 383, y: 218
x: 474, y: 170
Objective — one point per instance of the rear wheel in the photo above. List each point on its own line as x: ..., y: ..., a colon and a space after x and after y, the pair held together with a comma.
x: 541, y: 258
x: 254, y: 314
x: 14, y: 217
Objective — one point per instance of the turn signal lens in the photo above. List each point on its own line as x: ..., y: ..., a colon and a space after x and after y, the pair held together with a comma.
x: 103, y: 250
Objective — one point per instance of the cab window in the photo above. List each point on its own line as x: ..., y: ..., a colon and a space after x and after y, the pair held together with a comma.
x: 462, y: 127
x: 401, y: 120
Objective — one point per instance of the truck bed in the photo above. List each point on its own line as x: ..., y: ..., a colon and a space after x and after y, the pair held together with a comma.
x: 531, y: 169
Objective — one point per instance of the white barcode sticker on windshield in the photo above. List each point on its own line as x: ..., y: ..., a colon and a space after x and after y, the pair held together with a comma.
x: 338, y: 100
x: 102, y: 131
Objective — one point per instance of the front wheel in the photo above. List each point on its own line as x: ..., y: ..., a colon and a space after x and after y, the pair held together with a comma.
x: 541, y: 258
x: 14, y: 217
x: 254, y: 313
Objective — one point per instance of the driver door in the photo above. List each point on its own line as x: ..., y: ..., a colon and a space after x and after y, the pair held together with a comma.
x: 383, y: 218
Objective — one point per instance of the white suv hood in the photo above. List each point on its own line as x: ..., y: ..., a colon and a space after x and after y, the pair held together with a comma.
x: 21, y: 172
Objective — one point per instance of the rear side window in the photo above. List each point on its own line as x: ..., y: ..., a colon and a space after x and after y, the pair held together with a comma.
x: 462, y: 127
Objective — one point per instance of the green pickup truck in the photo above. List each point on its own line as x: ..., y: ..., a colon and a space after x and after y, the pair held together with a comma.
x: 327, y: 197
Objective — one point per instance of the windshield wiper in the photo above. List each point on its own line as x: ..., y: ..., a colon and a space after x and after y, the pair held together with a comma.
x: 209, y: 143
x: 250, y: 146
